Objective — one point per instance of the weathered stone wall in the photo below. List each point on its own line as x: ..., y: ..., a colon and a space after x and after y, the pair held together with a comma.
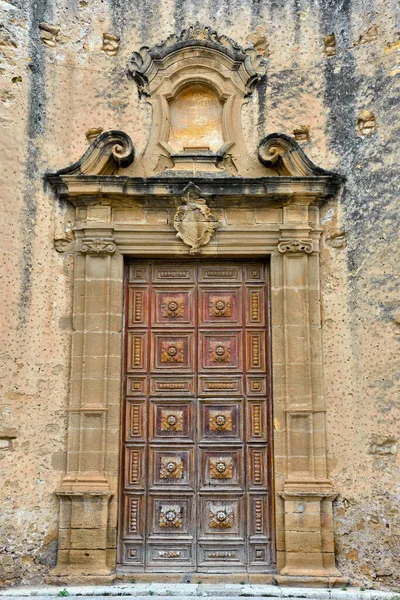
x: 60, y: 81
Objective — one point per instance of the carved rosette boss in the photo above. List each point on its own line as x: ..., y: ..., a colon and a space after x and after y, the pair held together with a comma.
x: 193, y: 220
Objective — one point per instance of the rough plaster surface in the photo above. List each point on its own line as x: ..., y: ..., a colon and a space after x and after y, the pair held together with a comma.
x: 52, y: 93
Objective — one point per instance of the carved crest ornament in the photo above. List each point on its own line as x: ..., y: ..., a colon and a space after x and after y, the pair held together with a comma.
x: 193, y: 220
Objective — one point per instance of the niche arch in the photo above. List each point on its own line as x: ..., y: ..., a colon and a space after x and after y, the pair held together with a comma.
x: 199, y: 57
x: 196, y: 119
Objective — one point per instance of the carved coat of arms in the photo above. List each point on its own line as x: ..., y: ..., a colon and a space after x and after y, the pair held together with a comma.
x: 193, y: 220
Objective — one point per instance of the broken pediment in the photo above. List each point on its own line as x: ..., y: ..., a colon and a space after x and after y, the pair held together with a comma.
x: 283, y: 154
x: 104, y: 170
x: 196, y: 83
x: 108, y: 152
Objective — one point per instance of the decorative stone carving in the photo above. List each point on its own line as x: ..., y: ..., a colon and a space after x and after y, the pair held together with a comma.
x: 220, y: 420
x: 145, y: 64
x: 220, y: 306
x: 110, y: 44
x: 295, y: 246
x: 171, y: 420
x: 259, y: 41
x: 220, y: 352
x: 221, y: 467
x: 302, y: 133
x: 193, y: 220
x: 171, y: 516
x: 171, y: 468
x: 221, y: 516
x: 282, y: 153
x: 49, y: 34
x: 109, y: 151
x: 98, y: 246
x: 62, y: 241
x: 330, y: 45
x: 93, y: 133
x: 337, y: 239
x: 172, y: 352
x: 172, y: 307
x: 366, y: 123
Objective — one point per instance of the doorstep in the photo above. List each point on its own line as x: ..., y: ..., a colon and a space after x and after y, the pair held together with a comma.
x: 210, y: 591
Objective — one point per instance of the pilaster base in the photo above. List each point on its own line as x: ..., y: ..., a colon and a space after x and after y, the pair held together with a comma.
x: 312, y: 582
x: 307, y: 554
x: 82, y: 536
x: 71, y: 577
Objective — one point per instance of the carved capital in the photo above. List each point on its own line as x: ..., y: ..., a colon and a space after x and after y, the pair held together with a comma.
x: 98, y: 246
x: 295, y: 246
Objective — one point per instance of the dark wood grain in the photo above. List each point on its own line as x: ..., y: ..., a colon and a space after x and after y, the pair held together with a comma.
x: 196, y: 432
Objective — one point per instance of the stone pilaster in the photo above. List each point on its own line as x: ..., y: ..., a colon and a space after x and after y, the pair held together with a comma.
x: 304, y: 525
x: 93, y: 431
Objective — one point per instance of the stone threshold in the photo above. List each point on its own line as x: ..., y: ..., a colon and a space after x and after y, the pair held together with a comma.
x: 188, y: 590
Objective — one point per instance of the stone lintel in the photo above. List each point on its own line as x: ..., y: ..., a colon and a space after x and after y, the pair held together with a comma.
x: 277, y: 191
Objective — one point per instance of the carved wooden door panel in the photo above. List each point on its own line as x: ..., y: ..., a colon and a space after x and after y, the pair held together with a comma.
x: 195, y: 489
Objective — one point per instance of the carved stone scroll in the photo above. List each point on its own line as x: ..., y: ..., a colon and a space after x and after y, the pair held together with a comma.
x: 109, y: 151
x: 98, y: 246
x: 295, y: 246
x: 282, y: 153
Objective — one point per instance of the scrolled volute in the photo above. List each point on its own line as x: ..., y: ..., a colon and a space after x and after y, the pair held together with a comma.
x: 295, y: 246
x: 110, y: 151
x: 283, y: 154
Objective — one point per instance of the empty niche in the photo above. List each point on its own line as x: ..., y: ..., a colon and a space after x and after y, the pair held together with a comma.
x: 196, y: 120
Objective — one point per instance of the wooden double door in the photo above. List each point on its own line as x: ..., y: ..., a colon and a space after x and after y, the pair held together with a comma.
x: 196, y: 455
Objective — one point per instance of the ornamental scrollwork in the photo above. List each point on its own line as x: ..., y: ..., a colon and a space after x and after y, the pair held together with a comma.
x: 98, y: 246
x: 147, y: 61
x: 62, y: 241
x: 295, y: 246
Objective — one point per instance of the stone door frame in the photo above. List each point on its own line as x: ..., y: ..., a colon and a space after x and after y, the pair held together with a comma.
x: 303, y: 492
